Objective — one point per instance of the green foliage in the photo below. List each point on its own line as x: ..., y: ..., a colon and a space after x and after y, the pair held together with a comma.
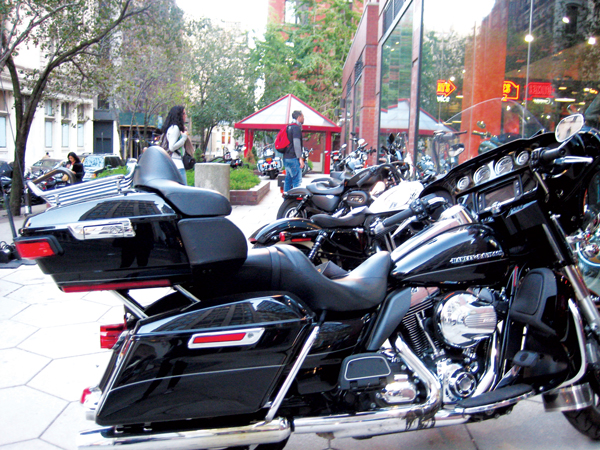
x: 309, y: 63
x: 242, y: 179
x: 221, y: 80
x: 74, y: 38
x: 123, y: 170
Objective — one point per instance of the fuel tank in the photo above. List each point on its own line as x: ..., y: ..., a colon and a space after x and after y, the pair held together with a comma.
x: 462, y: 255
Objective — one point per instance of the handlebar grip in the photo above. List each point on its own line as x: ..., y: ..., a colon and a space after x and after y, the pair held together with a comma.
x: 551, y: 155
x: 398, y: 217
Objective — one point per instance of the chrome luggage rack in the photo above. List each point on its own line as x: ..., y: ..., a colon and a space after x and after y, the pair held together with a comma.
x: 112, y: 185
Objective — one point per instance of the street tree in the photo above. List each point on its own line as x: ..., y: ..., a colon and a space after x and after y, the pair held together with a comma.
x: 275, y: 63
x: 73, y: 40
x: 145, y: 76
x: 318, y: 41
x: 221, y: 78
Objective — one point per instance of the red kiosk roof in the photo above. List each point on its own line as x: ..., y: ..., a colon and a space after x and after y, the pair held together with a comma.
x: 279, y: 113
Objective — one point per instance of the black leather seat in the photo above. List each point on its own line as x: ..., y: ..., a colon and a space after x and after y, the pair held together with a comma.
x: 285, y: 268
x: 156, y: 172
x: 349, y: 220
x: 326, y: 187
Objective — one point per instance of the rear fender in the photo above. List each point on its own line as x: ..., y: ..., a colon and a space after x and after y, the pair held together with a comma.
x: 269, y: 234
x: 297, y: 192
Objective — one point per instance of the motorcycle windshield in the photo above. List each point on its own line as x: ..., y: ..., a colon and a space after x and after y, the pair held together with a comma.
x: 475, y: 130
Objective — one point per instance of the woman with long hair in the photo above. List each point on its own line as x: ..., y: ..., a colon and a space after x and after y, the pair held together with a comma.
x: 174, y: 136
x: 76, y: 166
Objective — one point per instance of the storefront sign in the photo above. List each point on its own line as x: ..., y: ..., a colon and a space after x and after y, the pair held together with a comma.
x: 445, y: 88
x: 539, y: 90
x: 510, y: 90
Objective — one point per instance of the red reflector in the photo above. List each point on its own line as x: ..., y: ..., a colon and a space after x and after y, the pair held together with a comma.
x: 116, y: 286
x: 219, y: 338
x: 282, y: 236
x: 301, y: 239
x: 85, y: 394
x: 34, y: 249
x: 109, y: 334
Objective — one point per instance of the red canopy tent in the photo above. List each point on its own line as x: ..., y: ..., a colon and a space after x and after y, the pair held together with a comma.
x: 279, y: 113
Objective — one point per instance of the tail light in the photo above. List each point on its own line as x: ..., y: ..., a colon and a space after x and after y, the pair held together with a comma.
x: 269, y: 160
x: 109, y: 334
x: 33, y: 248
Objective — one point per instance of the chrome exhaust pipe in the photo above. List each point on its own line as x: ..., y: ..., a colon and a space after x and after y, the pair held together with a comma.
x: 261, y: 433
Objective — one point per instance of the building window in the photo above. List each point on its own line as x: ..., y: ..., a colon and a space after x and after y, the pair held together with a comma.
x: 103, y: 102
x: 290, y: 12
x: 49, y: 108
x: 49, y: 124
x: 79, y: 135
x: 396, y: 71
x: 65, y: 134
x: 64, y: 110
x: 3, y: 97
x: 80, y: 112
x: 3, y: 131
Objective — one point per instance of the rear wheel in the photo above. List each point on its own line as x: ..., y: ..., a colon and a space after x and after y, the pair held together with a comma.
x: 289, y: 209
x: 273, y: 174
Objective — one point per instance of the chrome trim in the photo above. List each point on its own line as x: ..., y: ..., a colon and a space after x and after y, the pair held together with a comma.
x: 584, y: 299
x: 261, y: 433
x: 251, y: 336
x: 290, y: 378
x: 384, y: 421
x: 488, y: 379
x: 191, y: 297
x: 581, y: 340
x: 569, y: 398
x: 377, y: 356
x: 493, y: 406
x: 102, y: 229
x: 131, y: 305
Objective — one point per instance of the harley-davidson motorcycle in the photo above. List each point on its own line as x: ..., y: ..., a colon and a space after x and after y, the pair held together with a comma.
x: 349, y: 239
x: 338, y: 193
x: 482, y: 309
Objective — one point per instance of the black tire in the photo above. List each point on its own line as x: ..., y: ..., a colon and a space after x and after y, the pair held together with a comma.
x: 289, y: 209
x: 273, y: 174
x: 587, y: 420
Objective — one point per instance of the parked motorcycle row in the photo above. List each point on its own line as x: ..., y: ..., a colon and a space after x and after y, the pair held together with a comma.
x: 451, y: 310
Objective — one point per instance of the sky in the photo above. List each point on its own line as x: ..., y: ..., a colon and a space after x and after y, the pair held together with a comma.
x: 252, y: 14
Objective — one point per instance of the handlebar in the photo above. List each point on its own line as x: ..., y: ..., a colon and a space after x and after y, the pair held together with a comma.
x: 551, y: 155
x: 420, y: 208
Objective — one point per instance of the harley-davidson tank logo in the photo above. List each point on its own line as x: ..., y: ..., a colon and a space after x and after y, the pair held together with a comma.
x: 477, y: 257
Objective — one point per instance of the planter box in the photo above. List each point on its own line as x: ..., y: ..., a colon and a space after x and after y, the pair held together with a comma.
x: 251, y: 196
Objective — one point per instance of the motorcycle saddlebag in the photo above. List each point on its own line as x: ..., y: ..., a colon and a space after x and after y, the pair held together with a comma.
x: 135, y: 240
x: 223, y: 360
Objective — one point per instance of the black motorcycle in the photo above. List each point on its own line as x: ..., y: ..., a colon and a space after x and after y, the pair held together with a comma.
x: 479, y: 311
x: 338, y: 193
x: 346, y: 240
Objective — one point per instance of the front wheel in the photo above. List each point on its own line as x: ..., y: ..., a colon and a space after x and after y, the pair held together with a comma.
x: 587, y: 420
x: 290, y: 208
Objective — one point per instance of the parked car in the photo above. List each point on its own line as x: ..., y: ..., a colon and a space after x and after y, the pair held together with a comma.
x: 96, y: 163
x: 44, y: 165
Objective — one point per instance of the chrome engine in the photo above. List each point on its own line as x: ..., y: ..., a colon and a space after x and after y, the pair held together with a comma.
x: 451, y: 334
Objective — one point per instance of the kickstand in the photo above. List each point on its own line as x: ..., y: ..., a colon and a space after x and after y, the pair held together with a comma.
x: 329, y: 437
